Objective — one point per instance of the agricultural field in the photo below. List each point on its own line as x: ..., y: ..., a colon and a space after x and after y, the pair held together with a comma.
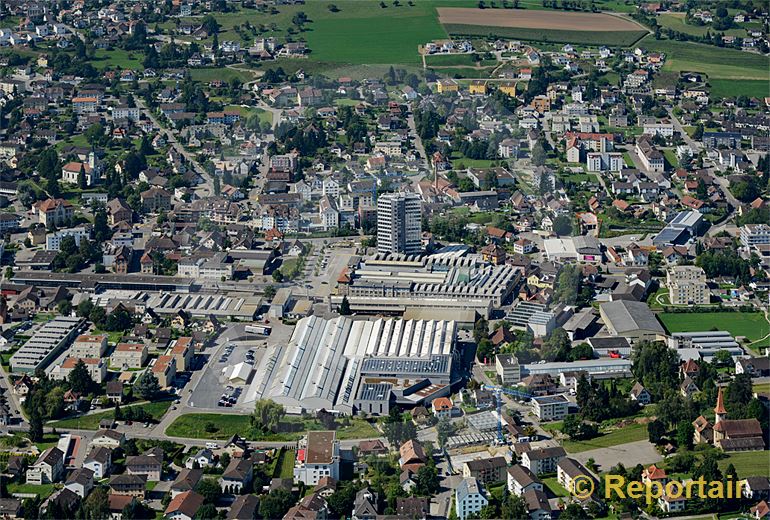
x: 449, y: 60
x: 572, y: 27
x: 750, y: 324
x: 676, y: 22
x: 747, y: 87
x: 715, y: 62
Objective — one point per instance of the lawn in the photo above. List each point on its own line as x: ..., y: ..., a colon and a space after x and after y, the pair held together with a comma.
x: 763, y: 388
x: 552, y: 483
x: 194, y: 425
x: 749, y: 324
x: 284, y: 468
x: 91, y: 421
x: 716, y: 62
x: 748, y: 464
x: 245, y: 112
x: 593, y: 38
x: 118, y: 58
x: 43, y: 490
x: 635, y: 432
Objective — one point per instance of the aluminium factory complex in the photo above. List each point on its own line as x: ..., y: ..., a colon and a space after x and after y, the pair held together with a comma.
x: 348, y: 366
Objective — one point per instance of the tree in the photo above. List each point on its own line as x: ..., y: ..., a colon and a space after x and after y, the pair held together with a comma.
x: 206, y: 512
x: 35, y: 427
x: 655, y: 431
x: 562, y: 225
x: 655, y: 366
x: 147, y: 386
x: 513, y: 508
x: 96, y: 506
x: 209, y: 489
x: 224, y: 460
x: 275, y: 504
x: 480, y: 329
x: 267, y: 415
x: 277, y: 276
x: 428, y: 481
x: 342, y: 501
x: 82, y: 183
x: 538, y: 154
x: 444, y: 430
x: 574, y: 511
x: 344, y: 308
x: 80, y: 380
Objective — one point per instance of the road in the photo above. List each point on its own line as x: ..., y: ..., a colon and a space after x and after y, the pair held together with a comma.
x: 207, y: 187
x: 697, y: 147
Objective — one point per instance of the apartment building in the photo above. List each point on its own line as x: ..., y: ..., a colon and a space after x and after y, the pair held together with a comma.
x: 687, y: 285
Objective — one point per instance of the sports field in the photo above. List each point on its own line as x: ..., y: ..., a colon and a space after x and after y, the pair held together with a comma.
x: 749, y: 324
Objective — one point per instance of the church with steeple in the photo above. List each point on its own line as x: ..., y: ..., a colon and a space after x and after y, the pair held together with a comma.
x: 728, y: 434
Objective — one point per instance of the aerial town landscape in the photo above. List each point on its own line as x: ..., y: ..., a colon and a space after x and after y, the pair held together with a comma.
x: 362, y: 259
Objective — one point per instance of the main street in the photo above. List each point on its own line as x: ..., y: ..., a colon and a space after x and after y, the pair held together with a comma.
x: 207, y: 187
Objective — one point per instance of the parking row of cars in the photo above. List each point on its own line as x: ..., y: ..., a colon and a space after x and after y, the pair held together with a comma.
x: 229, y: 397
x: 226, y: 354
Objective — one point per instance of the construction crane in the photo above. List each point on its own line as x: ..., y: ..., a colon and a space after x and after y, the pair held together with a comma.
x: 498, y: 391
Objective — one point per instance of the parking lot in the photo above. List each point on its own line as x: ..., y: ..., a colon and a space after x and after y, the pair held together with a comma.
x: 215, y: 391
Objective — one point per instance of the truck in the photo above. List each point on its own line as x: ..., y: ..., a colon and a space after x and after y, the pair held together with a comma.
x: 263, y: 330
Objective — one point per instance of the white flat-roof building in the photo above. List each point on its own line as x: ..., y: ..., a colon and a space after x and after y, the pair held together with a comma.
x: 550, y: 407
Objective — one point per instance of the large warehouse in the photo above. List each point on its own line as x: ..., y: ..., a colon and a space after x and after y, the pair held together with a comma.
x: 349, y: 365
x: 393, y: 284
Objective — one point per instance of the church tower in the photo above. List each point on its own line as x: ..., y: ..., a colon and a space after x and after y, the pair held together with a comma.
x: 720, y: 413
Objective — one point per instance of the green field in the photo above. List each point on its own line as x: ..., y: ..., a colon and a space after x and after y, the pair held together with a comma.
x: 449, y: 60
x: 676, y: 22
x: 610, y: 38
x: 716, y: 62
x: 748, y: 463
x: 635, y: 432
x: 193, y: 425
x: 118, y: 58
x: 221, y: 73
x: 746, y: 87
x: 91, y: 421
x: 749, y: 324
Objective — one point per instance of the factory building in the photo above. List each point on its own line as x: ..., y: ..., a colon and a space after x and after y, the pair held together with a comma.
x: 46, y: 344
x: 395, y: 283
x: 347, y: 365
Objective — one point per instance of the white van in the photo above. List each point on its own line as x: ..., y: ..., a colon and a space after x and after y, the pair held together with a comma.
x: 212, y: 445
